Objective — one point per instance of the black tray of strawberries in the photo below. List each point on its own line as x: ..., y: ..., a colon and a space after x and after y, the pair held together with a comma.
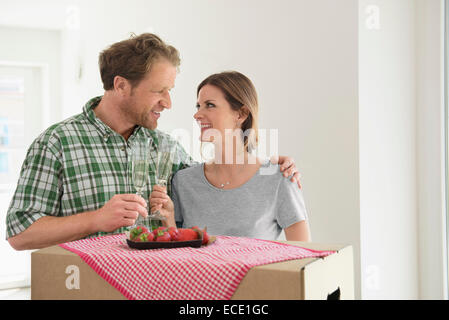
x: 165, y: 238
x: 164, y: 245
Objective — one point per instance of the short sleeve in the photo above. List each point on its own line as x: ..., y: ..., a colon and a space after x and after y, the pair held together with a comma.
x: 181, y: 160
x: 38, y: 190
x: 290, y: 204
x: 175, y: 198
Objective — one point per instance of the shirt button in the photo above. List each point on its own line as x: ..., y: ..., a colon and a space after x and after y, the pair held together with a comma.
x: 122, y: 148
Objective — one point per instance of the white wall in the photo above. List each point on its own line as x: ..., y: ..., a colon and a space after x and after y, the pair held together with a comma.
x: 387, y: 129
x: 430, y: 143
x: 402, y: 194
x: 19, y: 45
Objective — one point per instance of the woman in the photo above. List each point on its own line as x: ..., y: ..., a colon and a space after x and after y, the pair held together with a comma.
x: 236, y: 194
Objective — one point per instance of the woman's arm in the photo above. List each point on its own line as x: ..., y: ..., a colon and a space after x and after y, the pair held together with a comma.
x: 298, y: 231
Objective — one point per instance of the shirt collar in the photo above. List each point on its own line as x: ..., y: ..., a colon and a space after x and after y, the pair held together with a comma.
x: 106, y: 131
x: 88, y: 111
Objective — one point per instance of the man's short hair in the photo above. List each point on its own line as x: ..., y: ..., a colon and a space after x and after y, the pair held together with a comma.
x: 133, y: 58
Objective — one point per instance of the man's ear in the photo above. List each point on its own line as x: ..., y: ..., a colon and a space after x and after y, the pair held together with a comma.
x: 121, y: 85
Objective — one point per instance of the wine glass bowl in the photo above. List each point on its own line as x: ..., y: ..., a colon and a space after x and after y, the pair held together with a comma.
x: 163, y: 170
x: 139, y: 175
x: 140, y: 163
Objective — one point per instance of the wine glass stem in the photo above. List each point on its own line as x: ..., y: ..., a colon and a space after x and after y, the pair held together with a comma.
x: 139, y: 216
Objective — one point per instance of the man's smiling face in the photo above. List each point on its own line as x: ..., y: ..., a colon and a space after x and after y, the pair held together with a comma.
x: 151, y: 95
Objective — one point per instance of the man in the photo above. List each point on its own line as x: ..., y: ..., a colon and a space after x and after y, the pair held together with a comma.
x: 74, y: 182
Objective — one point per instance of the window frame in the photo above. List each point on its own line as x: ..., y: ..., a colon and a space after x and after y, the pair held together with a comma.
x: 446, y: 132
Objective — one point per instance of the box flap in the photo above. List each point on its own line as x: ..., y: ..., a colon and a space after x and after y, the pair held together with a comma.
x: 325, y: 276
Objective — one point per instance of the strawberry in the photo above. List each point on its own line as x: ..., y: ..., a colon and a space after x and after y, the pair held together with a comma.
x: 162, y: 236
x: 150, y: 236
x: 137, y: 231
x: 174, y: 233
x: 188, y: 234
x: 144, y: 237
x: 203, y: 233
x: 156, y: 231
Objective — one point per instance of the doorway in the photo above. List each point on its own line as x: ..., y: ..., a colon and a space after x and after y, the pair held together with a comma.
x: 22, y: 116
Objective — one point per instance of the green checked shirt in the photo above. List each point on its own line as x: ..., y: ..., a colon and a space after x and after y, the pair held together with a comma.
x: 77, y: 165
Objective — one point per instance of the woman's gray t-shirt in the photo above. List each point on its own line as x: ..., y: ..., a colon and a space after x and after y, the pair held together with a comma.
x: 260, y: 208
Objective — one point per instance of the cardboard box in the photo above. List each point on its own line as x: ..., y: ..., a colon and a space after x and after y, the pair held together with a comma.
x: 57, y: 273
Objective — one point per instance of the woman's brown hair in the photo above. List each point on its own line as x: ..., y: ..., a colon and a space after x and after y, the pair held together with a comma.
x: 240, y: 92
x: 133, y: 58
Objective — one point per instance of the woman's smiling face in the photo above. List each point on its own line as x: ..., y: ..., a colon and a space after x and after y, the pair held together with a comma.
x: 214, y: 112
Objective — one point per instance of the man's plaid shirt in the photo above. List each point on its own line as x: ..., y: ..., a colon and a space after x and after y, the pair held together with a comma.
x: 77, y: 165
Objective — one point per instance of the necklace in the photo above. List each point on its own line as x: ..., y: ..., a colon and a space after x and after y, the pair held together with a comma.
x: 223, y: 184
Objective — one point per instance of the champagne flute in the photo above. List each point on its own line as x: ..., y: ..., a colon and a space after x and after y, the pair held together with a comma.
x: 140, y: 162
x: 163, y: 167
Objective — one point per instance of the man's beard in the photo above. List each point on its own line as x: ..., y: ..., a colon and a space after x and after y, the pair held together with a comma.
x: 148, y: 122
x: 138, y: 119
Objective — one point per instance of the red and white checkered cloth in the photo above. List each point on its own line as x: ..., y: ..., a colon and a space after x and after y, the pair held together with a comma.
x: 211, y: 272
